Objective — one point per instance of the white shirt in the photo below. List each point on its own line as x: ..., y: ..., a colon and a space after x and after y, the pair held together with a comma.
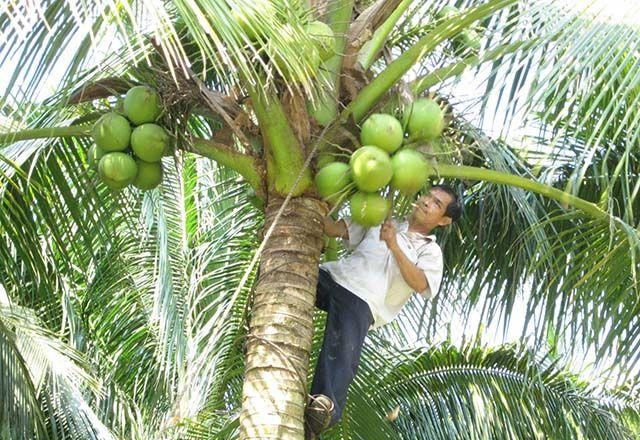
x: 371, y: 273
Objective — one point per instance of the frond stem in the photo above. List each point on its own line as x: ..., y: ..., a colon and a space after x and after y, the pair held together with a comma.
x: 367, y: 54
x: 285, y: 158
x: 246, y: 165
x: 370, y: 94
x: 45, y: 132
x: 487, y: 175
x: 424, y: 82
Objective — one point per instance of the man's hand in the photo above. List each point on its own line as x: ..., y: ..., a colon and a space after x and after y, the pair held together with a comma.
x: 333, y: 228
x: 388, y: 234
x: 413, y: 276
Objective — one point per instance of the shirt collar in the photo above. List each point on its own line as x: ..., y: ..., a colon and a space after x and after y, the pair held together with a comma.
x: 417, y: 235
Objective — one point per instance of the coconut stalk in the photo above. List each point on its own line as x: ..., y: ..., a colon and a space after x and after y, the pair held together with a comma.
x: 286, y: 168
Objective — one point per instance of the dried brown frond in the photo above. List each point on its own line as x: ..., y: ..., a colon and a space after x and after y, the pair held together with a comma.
x: 102, y: 88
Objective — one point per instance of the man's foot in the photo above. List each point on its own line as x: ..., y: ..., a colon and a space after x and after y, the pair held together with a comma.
x: 317, y: 415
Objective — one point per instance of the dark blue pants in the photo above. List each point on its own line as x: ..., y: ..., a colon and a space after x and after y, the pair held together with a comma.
x: 348, y: 319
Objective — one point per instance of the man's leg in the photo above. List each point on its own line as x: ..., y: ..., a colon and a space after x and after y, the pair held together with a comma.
x: 348, y: 320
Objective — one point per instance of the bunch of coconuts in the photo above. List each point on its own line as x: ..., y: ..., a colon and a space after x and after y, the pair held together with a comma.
x: 382, y: 164
x: 128, y: 147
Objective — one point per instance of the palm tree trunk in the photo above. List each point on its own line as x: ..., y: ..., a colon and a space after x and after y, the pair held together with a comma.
x: 281, y: 328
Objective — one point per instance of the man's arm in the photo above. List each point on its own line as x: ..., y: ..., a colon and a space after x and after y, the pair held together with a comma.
x: 334, y: 228
x: 412, y: 274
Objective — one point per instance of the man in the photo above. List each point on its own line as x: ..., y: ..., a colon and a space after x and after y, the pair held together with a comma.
x: 368, y: 289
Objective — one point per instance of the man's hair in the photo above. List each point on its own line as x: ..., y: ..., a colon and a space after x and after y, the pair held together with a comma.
x: 454, y: 209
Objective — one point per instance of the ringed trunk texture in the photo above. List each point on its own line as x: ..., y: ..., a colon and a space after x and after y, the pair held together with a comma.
x: 281, y: 327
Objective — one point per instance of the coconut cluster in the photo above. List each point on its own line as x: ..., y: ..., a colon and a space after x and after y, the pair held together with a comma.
x: 128, y: 146
x: 386, y: 162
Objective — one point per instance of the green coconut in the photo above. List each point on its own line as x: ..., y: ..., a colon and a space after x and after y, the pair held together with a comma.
x: 149, y: 175
x: 368, y: 209
x: 355, y: 155
x: 111, y: 132
x: 332, y: 180
x: 323, y: 37
x: 410, y: 171
x: 290, y: 40
x: 149, y: 142
x: 382, y: 130
x: 117, y: 169
x: 423, y: 119
x: 371, y: 168
x: 324, y: 158
x: 94, y: 155
x: 142, y: 104
x: 249, y: 15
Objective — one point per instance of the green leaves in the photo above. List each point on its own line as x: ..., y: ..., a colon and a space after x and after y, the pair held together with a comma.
x: 444, y: 392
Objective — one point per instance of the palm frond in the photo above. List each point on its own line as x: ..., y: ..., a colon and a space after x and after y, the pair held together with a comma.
x: 61, y: 376
x: 21, y: 414
x: 444, y: 392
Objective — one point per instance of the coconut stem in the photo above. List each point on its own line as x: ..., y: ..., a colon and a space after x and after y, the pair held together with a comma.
x: 47, y: 132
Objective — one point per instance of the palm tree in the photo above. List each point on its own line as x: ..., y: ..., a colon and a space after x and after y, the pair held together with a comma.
x: 150, y: 281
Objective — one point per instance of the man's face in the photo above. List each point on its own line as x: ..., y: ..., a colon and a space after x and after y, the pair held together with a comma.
x: 429, y: 210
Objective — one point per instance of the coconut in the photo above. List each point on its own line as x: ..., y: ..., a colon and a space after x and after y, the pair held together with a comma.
x: 94, y: 155
x: 149, y: 142
x: 382, y: 130
x: 324, y: 158
x: 410, y: 171
x: 289, y: 40
x: 323, y: 37
x: 142, y: 104
x: 111, y: 132
x: 149, y: 175
x: 423, y: 119
x: 371, y: 168
x: 250, y: 14
x: 354, y: 156
x: 332, y: 180
x: 368, y: 209
x: 117, y: 169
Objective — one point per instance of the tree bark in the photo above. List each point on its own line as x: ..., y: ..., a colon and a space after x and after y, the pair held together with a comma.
x: 281, y: 327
